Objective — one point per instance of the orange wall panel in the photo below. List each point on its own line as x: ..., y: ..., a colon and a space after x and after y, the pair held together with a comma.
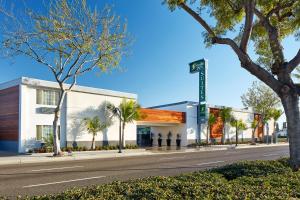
x: 216, y: 130
x: 162, y: 116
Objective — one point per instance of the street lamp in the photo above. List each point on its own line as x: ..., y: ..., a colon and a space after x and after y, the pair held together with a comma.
x: 118, y: 112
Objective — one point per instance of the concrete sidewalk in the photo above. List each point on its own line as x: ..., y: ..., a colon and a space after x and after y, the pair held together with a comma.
x: 84, y: 155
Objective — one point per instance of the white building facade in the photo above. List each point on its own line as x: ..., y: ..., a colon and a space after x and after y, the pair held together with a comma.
x: 32, y: 114
x: 27, y: 106
x: 189, y: 131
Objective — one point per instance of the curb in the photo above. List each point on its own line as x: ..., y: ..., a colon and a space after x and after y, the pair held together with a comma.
x: 131, y: 153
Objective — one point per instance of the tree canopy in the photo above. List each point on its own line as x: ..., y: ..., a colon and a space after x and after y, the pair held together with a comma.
x: 262, y: 99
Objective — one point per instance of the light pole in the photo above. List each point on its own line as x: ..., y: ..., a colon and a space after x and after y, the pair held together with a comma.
x: 118, y: 111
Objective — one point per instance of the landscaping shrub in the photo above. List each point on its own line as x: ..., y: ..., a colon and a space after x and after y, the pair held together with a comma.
x: 253, y: 168
x: 131, y: 146
x: 76, y: 148
x: 244, y: 180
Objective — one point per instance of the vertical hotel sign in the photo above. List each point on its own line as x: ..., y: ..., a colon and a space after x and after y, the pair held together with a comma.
x: 200, y: 66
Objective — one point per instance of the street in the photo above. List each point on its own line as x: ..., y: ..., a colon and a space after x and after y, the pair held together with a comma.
x: 54, y: 177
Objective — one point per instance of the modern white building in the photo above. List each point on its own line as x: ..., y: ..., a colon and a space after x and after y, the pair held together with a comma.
x: 188, y: 129
x: 26, y: 117
x: 26, y: 114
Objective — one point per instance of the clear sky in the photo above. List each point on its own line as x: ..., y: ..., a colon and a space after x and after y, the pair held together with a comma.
x: 157, y: 68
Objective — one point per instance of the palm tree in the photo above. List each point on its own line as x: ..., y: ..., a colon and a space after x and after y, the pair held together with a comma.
x: 226, y: 116
x: 239, y: 126
x: 211, y: 120
x: 128, y: 111
x: 49, y: 141
x: 94, y: 125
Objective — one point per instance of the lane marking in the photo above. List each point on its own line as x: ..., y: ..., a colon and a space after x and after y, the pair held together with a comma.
x: 208, y: 163
x: 272, y: 154
x: 57, y: 168
x: 172, y: 158
x: 67, y: 181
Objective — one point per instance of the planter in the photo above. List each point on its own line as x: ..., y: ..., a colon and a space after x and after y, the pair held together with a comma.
x: 168, y: 142
x: 159, y: 142
x: 178, y: 141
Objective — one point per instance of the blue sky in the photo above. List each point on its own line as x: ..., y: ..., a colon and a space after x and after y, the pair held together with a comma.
x: 157, y: 68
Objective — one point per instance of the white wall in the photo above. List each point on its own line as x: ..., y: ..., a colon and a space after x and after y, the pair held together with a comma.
x: 76, y: 106
x: 164, y: 130
x: 191, y: 123
x: 29, y: 118
x: 81, y: 105
x: 190, y: 128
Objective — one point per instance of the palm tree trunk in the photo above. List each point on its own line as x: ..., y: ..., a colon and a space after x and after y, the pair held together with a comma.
x: 290, y: 103
x: 93, y: 142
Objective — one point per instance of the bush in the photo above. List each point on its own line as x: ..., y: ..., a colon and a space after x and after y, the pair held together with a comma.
x: 243, y: 180
x: 253, y: 168
x: 131, y: 146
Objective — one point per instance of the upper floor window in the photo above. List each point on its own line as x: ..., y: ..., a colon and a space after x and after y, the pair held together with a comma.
x: 47, y: 97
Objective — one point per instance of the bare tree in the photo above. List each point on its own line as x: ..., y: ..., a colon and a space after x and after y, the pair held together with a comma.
x: 70, y: 39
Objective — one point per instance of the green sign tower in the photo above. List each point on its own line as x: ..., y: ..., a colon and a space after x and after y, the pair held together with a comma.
x: 200, y: 66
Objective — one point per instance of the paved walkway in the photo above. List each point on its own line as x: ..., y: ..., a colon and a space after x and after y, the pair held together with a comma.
x: 83, y: 155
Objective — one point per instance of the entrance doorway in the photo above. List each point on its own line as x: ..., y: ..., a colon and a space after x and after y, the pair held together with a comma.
x: 144, y: 136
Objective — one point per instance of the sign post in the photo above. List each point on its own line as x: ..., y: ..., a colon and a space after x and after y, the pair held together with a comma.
x: 200, y: 66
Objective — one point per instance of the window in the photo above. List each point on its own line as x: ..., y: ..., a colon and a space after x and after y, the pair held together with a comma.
x: 44, y: 131
x: 47, y: 97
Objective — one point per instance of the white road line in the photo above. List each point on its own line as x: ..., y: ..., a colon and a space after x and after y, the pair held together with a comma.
x: 172, y: 158
x: 208, y: 163
x: 57, y: 168
x: 68, y: 181
x: 271, y: 154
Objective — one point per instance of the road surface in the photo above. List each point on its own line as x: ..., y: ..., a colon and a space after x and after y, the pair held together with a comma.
x: 46, y: 178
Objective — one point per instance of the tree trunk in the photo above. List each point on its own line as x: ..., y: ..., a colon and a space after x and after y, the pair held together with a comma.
x: 56, y: 141
x: 93, y: 142
x: 236, y: 136
x: 123, y: 133
x: 253, y: 136
x: 290, y: 103
x: 207, y: 134
x: 223, y: 134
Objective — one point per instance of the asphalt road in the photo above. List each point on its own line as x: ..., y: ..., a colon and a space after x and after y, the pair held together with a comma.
x: 45, y: 178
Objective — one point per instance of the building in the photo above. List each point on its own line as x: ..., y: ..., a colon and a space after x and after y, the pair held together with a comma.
x: 180, y: 119
x: 26, y: 114
x: 27, y: 106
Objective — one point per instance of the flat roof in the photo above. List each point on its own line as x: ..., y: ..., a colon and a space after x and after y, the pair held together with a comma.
x: 193, y: 103
x: 54, y: 85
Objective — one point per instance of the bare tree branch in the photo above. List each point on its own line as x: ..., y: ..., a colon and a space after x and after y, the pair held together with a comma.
x: 246, y: 61
x: 292, y: 64
x: 276, y: 47
x: 199, y: 19
x: 249, y: 9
